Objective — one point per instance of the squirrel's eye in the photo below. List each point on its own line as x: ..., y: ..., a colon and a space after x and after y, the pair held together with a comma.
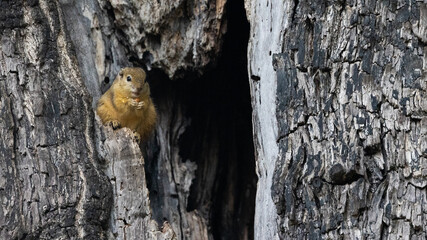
x: 129, y: 78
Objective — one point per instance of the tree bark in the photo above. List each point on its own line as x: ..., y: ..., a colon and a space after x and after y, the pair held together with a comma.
x: 338, y: 93
x: 339, y: 96
x: 52, y: 185
x: 65, y: 176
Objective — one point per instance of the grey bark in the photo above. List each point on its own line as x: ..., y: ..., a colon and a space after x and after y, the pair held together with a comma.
x: 63, y: 175
x: 339, y: 116
x: 339, y: 98
x: 51, y: 183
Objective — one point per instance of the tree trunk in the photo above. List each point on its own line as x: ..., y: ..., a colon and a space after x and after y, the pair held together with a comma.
x: 52, y: 185
x: 339, y: 112
x: 340, y: 117
x: 64, y: 176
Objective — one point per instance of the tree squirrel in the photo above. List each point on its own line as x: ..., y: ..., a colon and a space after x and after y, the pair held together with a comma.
x: 127, y: 103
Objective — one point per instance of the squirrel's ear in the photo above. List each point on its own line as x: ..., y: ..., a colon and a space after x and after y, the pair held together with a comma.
x: 121, y: 73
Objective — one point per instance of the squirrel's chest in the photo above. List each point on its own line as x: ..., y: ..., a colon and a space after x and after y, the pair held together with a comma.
x: 131, y: 113
x: 127, y: 115
x: 132, y: 117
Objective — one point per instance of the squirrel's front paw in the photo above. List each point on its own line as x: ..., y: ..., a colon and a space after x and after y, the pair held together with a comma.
x: 137, y: 137
x: 114, y: 124
x: 137, y: 104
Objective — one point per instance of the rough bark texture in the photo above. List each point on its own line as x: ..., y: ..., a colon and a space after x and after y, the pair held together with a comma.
x: 52, y: 185
x: 131, y: 216
x: 339, y: 116
x: 64, y: 176
x: 340, y: 113
x: 171, y: 35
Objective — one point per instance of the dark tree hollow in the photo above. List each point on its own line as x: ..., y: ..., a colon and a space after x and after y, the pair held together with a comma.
x: 218, y: 138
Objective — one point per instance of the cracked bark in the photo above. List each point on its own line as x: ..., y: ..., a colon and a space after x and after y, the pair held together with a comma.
x: 349, y: 134
x: 51, y: 183
x: 339, y: 116
x: 64, y: 176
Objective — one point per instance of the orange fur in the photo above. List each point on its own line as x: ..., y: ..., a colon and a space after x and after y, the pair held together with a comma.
x: 128, y: 103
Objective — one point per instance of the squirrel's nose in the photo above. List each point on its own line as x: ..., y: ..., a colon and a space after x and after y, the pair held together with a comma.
x: 139, y: 89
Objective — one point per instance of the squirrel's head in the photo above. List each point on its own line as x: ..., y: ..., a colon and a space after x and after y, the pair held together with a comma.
x: 132, y: 80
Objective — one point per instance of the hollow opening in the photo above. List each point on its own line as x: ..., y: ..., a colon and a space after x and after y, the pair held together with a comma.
x: 217, y: 137
x: 224, y: 109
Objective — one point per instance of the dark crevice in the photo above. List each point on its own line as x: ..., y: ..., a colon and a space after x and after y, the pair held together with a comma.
x: 218, y: 136
x: 294, y: 10
x: 371, y: 150
x: 341, y: 176
x: 221, y: 111
x: 255, y: 78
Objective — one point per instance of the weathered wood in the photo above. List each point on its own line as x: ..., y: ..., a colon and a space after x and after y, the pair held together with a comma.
x: 339, y: 97
x: 174, y: 36
x: 52, y: 186
x: 131, y: 216
x: 64, y: 176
